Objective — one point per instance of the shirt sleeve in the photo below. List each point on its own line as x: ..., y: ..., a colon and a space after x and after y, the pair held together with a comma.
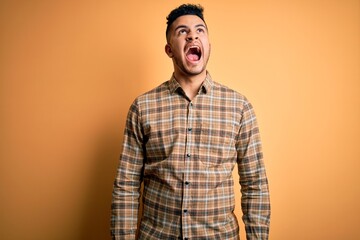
x: 126, y: 190
x: 255, y: 201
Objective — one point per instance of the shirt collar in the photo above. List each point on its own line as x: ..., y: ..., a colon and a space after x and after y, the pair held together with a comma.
x: 205, y: 88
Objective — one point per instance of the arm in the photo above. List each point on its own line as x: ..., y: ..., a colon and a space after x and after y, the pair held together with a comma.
x: 126, y: 191
x: 255, y: 202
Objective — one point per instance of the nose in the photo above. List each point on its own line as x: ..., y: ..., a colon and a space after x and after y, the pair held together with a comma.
x: 191, y: 36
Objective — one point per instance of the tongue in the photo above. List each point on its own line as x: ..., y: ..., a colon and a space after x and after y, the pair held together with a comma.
x: 193, y: 57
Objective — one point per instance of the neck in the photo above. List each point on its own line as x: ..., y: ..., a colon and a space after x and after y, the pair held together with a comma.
x: 190, y: 84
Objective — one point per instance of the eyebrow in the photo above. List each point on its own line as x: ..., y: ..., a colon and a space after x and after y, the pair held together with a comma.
x: 185, y: 26
x: 180, y: 26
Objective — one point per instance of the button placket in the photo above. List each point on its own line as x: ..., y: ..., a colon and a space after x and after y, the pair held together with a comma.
x: 187, y: 169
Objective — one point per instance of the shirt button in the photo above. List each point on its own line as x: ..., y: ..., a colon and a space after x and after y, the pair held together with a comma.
x: 187, y: 183
x: 188, y: 155
x: 185, y: 210
x: 190, y: 129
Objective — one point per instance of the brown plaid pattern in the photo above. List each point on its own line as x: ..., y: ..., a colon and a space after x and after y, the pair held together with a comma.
x: 184, y: 151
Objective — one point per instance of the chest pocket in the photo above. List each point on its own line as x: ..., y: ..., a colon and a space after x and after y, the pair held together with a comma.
x: 217, y: 142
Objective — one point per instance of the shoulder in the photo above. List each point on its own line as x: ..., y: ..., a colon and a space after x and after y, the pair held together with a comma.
x: 224, y: 92
x: 153, y: 95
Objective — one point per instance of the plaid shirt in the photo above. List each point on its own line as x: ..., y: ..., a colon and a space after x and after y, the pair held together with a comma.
x: 184, y: 152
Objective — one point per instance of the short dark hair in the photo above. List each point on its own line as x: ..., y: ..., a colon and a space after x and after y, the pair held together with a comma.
x: 184, y: 9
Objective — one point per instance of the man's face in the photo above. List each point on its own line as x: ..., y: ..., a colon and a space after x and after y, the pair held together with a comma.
x: 188, y: 45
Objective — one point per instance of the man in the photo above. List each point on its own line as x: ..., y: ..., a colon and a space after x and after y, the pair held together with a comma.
x: 182, y: 140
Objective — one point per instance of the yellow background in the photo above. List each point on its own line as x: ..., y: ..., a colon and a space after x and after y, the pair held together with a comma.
x: 70, y: 69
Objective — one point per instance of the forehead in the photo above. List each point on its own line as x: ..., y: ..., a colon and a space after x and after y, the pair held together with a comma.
x: 188, y: 21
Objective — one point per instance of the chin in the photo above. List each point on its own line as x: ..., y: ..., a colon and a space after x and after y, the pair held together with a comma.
x: 196, y: 72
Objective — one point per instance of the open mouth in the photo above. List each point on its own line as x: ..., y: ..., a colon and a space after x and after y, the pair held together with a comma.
x: 193, y: 53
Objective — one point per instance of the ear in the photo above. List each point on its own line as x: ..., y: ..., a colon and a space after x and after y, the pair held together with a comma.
x: 168, y: 50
